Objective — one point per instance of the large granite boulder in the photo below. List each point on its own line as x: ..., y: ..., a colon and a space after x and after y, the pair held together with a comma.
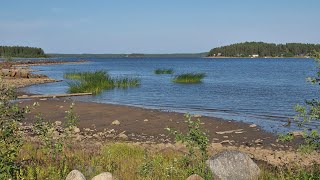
x: 75, y: 175
x: 233, y: 165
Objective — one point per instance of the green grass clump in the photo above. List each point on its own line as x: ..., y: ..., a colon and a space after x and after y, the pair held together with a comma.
x: 163, y: 71
x: 96, y: 82
x: 189, y: 78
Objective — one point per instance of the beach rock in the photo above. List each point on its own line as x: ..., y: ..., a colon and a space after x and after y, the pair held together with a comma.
x: 217, y: 145
x: 253, y: 125
x: 146, y: 120
x: 58, y: 123
x: 195, y: 177
x: 115, y: 122
x: 76, y: 130
x: 228, y: 132
x: 75, y: 175
x: 233, y: 165
x: 111, y: 131
x: 258, y: 141
x: 103, y: 176
x: 297, y: 133
x: 123, y: 136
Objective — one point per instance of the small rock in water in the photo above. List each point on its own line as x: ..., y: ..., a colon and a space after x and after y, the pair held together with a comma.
x: 116, y: 122
x: 253, y: 125
x: 75, y: 175
x: 103, y: 176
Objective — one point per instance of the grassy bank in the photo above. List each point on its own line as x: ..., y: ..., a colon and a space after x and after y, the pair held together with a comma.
x: 189, y: 78
x: 163, y: 71
x: 126, y: 161
x: 96, y: 82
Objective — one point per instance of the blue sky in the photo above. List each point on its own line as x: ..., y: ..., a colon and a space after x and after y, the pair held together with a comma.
x: 149, y: 26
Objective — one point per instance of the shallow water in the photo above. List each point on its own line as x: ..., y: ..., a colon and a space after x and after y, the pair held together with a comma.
x: 262, y: 91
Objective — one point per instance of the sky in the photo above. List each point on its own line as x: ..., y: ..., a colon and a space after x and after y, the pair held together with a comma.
x: 150, y: 26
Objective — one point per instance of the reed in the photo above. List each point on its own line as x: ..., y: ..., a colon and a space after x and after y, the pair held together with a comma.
x: 163, y: 71
x: 96, y: 82
x: 189, y: 78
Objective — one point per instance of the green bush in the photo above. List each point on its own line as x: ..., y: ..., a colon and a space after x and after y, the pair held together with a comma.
x: 10, y: 138
x: 196, y: 140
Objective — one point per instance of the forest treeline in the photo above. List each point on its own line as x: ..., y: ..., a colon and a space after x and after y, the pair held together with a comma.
x: 248, y: 49
x: 21, y: 51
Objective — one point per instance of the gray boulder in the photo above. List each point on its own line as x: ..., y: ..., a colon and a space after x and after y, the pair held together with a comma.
x: 103, y: 176
x: 75, y: 175
x: 233, y: 165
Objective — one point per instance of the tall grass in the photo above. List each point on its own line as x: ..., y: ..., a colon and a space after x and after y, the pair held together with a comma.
x: 96, y: 82
x: 189, y: 78
x: 163, y: 71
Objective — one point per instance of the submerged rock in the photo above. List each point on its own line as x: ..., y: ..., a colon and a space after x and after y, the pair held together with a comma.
x: 233, y: 165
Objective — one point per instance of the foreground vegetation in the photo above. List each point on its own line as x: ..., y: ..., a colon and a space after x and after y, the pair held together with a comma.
x: 96, y: 82
x: 265, y: 49
x: 163, y: 71
x: 189, y: 78
x: 44, y: 156
x: 21, y: 51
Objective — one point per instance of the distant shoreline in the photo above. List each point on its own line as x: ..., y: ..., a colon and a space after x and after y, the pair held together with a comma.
x: 225, y: 57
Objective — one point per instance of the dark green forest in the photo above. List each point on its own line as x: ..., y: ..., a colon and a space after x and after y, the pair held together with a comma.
x: 21, y: 51
x: 262, y: 49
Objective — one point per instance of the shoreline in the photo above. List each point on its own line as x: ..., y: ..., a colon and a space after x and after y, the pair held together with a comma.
x: 141, y: 122
x: 148, y: 125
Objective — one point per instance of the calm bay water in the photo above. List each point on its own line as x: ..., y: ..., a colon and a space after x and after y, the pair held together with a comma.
x: 261, y: 91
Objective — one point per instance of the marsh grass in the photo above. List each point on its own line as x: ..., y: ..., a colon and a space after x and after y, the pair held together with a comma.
x: 163, y: 71
x: 96, y: 82
x: 189, y: 78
